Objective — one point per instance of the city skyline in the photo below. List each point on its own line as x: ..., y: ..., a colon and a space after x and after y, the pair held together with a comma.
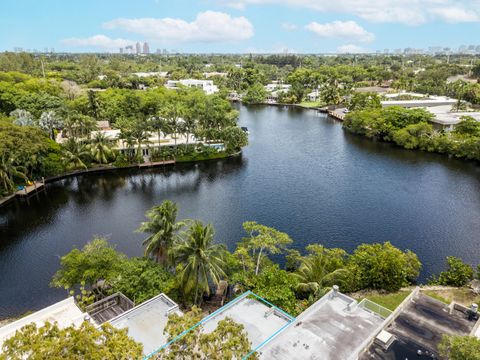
x: 240, y: 26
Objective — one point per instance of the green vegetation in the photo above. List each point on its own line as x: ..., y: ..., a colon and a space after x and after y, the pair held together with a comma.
x: 411, y: 129
x: 455, y: 347
x: 457, y: 274
x: 83, y: 342
x: 389, y: 300
x: 435, y: 295
x: 228, y: 341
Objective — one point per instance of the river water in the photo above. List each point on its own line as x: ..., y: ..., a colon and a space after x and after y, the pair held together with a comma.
x: 302, y: 174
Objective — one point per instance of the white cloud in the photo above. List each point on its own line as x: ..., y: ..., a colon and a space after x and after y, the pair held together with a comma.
x: 455, y: 14
x: 99, y: 41
x: 288, y: 26
x: 350, y: 49
x: 208, y: 26
x: 346, y: 30
x: 411, y: 12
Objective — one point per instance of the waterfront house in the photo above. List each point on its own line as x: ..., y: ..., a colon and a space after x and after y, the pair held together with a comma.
x: 207, y: 86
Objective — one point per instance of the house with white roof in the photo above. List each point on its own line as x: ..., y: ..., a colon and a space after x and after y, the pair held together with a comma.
x: 207, y: 86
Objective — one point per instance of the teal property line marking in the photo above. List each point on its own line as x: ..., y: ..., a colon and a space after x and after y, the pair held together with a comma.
x: 268, y: 339
x: 275, y: 307
x: 198, y: 324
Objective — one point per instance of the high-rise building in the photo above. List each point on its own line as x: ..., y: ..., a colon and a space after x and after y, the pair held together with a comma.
x: 121, y: 50
x: 138, y: 48
x: 146, y: 48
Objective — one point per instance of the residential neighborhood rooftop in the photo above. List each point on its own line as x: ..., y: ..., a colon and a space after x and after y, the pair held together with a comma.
x: 64, y: 313
x: 146, y: 322
x: 418, y: 329
x: 261, y: 320
x: 335, y: 327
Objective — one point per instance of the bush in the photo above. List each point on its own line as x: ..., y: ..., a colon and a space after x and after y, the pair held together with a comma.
x: 458, y: 273
x: 455, y: 347
x: 383, y: 267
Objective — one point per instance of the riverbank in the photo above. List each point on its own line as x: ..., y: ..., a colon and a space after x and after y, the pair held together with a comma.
x: 103, y: 169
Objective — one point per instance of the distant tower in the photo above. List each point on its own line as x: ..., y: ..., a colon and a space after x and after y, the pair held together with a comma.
x: 121, y: 50
x: 138, y: 48
x: 146, y: 48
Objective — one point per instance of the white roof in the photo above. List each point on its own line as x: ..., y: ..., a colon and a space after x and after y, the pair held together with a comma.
x: 64, y: 313
x: 335, y: 327
x: 147, y: 321
x: 260, y: 321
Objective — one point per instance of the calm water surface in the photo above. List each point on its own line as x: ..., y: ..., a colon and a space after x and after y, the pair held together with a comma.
x: 301, y: 174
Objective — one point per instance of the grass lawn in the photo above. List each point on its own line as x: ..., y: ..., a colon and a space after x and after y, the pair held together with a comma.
x: 312, y: 104
x: 463, y: 296
x: 435, y: 295
x: 389, y: 300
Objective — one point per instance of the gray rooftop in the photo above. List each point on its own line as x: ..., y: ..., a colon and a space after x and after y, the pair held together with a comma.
x: 147, y: 321
x: 420, y: 326
x: 335, y: 327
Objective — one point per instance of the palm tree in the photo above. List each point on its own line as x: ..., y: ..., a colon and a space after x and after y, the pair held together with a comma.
x: 8, y: 172
x: 72, y: 155
x: 49, y: 121
x: 202, y: 260
x: 163, y: 228
x: 314, y: 274
x: 160, y: 125
x: 22, y: 117
x: 100, y: 149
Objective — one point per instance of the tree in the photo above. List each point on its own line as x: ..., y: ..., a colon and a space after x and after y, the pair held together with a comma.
x: 162, y: 227
x: 227, y: 342
x: 456, y: 347
x: 366, y: 100
x: 467, y: 126
x: 49, y: 121
x: 201, y: 260
x: 96, y: 261
x: 274, y: 285
x: 94, y: 105
x: 22, y: 117
x: 234, y: 138
x: 85, y: 342
x: 263, y: 239
x: 8, y: 173
x: 330, y: 93
x: 141, y: 279
x: 256, y: 94
x: 100, y: 149
x: 72, y: 154
x: 319, y: 270
x: 383, y: 266
x: 457, y: 274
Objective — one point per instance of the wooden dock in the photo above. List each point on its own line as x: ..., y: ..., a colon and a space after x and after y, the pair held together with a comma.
x: 158, y: 163
x: 35, y: 187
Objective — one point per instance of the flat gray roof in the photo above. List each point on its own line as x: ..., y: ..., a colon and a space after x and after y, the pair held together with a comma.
x: 147, y: 321
x: 335, y: 327
x: 420, y: 326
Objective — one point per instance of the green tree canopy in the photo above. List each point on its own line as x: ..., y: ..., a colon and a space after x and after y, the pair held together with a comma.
x: 85, y: 342
x: 455, y: 347
x: 383, y: 266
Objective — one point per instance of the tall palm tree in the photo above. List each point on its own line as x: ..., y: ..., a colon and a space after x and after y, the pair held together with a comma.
x: 314, y: 274
x: 100, y: 149
x: 202, y: 260
x: 72, y: 154
x: 162, y: 227
x: 8, y: 172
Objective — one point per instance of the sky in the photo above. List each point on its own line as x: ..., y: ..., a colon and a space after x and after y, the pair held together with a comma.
x: 238, y: 26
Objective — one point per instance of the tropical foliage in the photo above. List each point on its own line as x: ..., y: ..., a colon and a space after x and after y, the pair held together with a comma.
x: 76, y: 343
